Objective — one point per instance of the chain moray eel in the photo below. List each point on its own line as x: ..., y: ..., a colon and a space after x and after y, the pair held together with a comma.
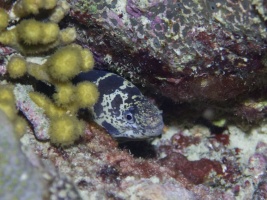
x: 122, y: 109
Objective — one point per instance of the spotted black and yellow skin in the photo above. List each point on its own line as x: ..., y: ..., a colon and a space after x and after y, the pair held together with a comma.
x: 122, y: 109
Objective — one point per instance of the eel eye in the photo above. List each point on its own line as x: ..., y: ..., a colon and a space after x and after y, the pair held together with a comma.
x: 129, y: 116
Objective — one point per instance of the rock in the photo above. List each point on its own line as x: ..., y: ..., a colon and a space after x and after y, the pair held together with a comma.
x: 187, y: 50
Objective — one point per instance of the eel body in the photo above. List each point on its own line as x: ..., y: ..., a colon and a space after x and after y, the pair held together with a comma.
x: 122, y: 109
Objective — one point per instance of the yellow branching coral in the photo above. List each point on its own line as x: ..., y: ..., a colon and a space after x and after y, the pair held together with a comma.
x: 9, y: 109
x: 67, y: 35
x: 7, y: 105
x: 33, y: 32
x: 55, y: 111
x: 9, y: 37
x: 3, y: 19
x: 26, y: 7
x: 49, y: 4
x: 87, y: 93
x: 51, y: 32
x: 39, y: 99
x: 33, y: 37
x: 23, y: 8
x: 30, y: 31
x: 20, y: 126
x: 65, y: 63
x: 7, y: 102
x: 6, y: 94
x: 65, y: 94
x: 49, y: 107
x: 65, y: 130
x: 88, y: 60
x: 59, y: 11
x: 16, y: 67
x: 38, y: 72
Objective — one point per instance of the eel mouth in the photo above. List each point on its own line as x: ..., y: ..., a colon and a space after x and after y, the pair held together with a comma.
x: 128, y: 139
x: 156, y: 129
x: 151, y: 131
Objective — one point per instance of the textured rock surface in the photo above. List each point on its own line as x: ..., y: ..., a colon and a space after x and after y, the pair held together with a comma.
x: 23, y: 176
x: 17, y: 175
x: 186, y: 50
x: 101, y: 170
